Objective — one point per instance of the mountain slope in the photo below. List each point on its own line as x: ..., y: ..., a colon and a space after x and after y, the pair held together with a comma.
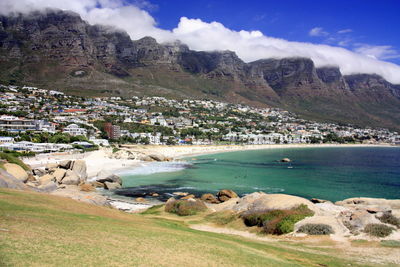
x: 59, y: 50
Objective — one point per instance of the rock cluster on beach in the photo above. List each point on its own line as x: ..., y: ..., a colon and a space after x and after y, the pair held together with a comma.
x: 352, y: 218
x: 129, y: 154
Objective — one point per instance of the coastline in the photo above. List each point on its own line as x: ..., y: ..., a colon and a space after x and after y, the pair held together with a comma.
x: 182, y: 151
x: 105, y: 160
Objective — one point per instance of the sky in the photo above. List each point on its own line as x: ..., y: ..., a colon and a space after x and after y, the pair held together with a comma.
x: 366, y: 26
x: 358, y: 36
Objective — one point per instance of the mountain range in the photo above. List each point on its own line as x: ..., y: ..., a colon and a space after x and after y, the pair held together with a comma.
x: 58, y: 50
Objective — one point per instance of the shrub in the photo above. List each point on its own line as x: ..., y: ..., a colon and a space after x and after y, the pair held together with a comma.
x: 277, y: 221
x: 378, y: 230
x: 316, y: 229
x: 286, y: 225
x: 185, y: 207
x: 388, y: 218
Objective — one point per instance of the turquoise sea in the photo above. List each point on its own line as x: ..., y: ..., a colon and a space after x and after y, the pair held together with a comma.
x: 332, y: 173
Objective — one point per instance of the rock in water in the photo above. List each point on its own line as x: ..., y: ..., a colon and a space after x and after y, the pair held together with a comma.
x: 106, y: 176
x: 17, y: 171
x: 111, y: 186
x: 225, y: 195
x: 210, y: 198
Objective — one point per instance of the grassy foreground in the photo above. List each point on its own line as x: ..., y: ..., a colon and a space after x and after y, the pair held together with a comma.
x: 44, y: 230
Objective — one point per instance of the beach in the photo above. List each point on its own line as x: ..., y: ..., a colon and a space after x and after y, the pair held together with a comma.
x: 105, y: 159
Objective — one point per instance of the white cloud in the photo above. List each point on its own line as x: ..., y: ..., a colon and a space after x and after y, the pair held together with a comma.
x: 200, y: 35
x: 345, y: 31
x: 318, y: 31
x: 377, y: 51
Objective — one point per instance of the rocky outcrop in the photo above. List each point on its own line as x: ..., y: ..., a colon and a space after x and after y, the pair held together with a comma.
x: 71, y: 178
x: 108, y: 180
x: 225, y: 195
x: 9, y: 181
x: 111, y: 186
x: 17, y: 171
x: 210, y: 198
x: 259, y: 201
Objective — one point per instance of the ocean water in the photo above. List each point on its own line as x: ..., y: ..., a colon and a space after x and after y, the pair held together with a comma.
x: 332, y: 173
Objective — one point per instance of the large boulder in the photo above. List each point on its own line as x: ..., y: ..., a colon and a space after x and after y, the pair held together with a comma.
x: 106, y: 176
x: 51, y: 166
x: 157, y: 157
x: 9, y: 181
x: 71, y: 178
x: 79, y: 167
x: 59, y: 174
x: 47, y: 178
x: 39, y: 172
x: 48, y: 187
x: 65, y: 164
x: 225, y: 195
x: 111, y: 186
x: 364, y: 202
x: 145, y: 158
x: 210, y: 198
x: 259, y: 201
x: 17, y: 171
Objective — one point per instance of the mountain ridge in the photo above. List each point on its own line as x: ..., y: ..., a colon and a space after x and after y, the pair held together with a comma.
x: 57, y: 49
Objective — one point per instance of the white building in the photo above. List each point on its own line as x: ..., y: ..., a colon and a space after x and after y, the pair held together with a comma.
x: 74, y: 130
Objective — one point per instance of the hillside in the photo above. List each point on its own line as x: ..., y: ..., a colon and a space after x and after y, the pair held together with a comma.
x: 59, y: 50
x: 43, y: 230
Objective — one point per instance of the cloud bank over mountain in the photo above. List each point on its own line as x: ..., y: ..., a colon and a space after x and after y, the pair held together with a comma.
x: 200, y: 35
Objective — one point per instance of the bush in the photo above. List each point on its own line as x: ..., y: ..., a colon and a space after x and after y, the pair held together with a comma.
x: 388, y: 218
x: 316, y: 229
x: 185, y: 207
x: 277, y: 221
x: 378, y: 230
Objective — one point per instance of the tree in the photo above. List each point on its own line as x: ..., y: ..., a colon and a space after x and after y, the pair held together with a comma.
x: 171, y: 141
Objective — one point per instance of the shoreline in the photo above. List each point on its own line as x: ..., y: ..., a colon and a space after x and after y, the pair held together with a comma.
x: 182, y: 151
x: 105, y: 160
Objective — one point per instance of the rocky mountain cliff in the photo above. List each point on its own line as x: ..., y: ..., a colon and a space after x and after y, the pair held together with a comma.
x: 57, y: 49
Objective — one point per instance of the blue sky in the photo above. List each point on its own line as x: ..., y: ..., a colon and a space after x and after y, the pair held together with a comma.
x: 366, y: 24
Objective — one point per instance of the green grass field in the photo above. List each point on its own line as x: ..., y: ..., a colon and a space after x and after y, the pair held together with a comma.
x: 44, y: 230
